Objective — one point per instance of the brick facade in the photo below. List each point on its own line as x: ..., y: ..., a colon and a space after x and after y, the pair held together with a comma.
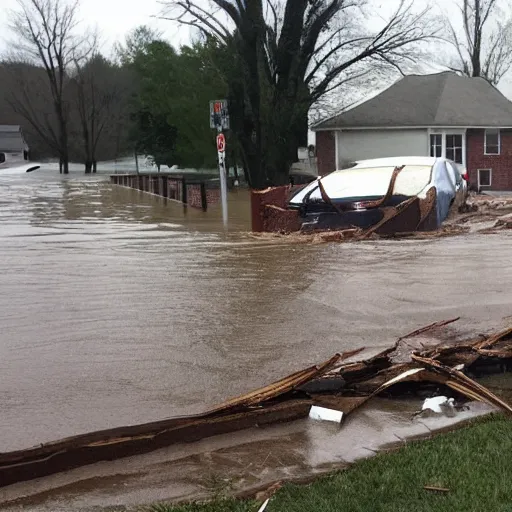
x: 326, y: 152
x: 501, y: 165
x: 276, y: 196
x: 194, y: 198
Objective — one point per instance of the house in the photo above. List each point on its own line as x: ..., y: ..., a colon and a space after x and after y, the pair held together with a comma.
x: 444, y: 115
x: 12, y: 143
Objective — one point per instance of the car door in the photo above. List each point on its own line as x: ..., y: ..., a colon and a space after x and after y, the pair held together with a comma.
x: 457, y: 180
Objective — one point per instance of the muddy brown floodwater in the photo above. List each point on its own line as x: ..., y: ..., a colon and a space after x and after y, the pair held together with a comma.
x: 118, y: 308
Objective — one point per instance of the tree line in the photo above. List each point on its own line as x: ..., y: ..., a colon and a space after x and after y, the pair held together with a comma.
x: 80, y: 105
x: 278, y: 62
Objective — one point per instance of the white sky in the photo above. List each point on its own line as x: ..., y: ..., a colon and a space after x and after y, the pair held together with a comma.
x: 115, y: 18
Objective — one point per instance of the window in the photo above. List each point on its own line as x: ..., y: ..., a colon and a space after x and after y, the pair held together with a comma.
x: 454, y: 148
x: 436, y: 145
x: 492, y: 142
x: 484, y: 177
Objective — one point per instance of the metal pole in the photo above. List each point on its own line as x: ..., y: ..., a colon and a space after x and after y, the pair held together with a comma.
x: 223, y: 186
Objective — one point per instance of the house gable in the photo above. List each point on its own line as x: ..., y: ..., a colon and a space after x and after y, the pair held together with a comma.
x: 440, y: 100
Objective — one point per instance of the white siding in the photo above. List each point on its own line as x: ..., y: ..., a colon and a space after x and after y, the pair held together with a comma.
x: 365, y: 144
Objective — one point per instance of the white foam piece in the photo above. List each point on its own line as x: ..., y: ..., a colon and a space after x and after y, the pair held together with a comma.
x: 324, y: 414
x: 435, y: 403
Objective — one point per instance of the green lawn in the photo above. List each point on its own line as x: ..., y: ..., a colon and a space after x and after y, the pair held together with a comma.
x: 474, y: 463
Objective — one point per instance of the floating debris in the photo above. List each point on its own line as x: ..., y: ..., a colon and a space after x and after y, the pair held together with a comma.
x: 336, y: 385
x: 438, y: 404
x: 324, y: 414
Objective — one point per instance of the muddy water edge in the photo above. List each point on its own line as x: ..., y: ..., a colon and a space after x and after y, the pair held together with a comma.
x: 118, y: 308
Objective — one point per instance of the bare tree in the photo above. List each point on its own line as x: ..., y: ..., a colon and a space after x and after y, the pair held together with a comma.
x: 96, y: 91
x: 46, y: 38
x: 28, y: 95
x: 286, y: 55
x: 484, y: 47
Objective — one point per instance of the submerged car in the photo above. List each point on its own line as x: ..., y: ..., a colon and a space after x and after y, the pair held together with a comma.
x: 374, y: 192
x: 10, y: 164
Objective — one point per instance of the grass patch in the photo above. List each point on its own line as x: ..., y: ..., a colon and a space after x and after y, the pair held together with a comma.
x: 474, y: 463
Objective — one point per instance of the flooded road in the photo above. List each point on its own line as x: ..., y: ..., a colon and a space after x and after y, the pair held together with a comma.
x: 118, y: 308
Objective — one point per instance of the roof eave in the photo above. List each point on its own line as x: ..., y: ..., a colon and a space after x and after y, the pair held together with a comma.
x: 412, y: 127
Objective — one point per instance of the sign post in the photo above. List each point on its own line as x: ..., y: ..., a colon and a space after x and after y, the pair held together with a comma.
x: 221, y: 152
x: 219, y: 119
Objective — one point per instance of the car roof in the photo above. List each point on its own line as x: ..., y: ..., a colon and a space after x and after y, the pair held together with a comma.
x: 396, y: 161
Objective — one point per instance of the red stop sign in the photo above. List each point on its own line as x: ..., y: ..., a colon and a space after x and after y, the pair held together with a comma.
x: 221, y: 143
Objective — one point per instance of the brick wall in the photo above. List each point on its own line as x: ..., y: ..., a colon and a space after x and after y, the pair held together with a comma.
x: 326, y: 152
x: 280, y: 220
x: 170, y: 187
x: 194, y: 196
x: 501, y: 165
x: 276, y: 196
x: 212, y: 196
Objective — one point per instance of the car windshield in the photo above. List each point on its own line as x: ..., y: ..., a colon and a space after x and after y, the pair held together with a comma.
x: 371, y: 182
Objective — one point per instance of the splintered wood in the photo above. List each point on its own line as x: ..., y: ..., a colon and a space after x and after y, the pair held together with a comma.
x: 335, y: 384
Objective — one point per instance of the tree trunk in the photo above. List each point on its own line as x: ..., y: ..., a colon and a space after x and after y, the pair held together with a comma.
x: 235, y: 165
x: 257, y: 177
x: 88, y: 167
x: 64, y: 154
x: 227, y: 163
x: 63, y: 136
x: 94, y: 166
x: 60, y: 165
x: 246, y: 175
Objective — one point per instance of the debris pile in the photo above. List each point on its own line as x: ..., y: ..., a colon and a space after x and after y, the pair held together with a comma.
x: 337, y: 384
x: 485, y: 214
x: 482, y: 214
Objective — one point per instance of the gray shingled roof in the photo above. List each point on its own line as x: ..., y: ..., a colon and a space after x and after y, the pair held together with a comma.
x: 443, y: 99
x: 11, y: 128
x: 11, y: 138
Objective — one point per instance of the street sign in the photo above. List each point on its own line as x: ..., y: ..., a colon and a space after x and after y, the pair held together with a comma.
x: 219, y: 115
x: 221, y: 143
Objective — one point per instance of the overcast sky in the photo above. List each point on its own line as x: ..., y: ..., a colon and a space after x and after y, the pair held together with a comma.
x: 115, y: 18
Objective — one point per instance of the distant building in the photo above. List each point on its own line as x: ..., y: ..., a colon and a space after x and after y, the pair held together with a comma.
x: 305, y: 169
x: 13, y: 146
x: 466, y: 120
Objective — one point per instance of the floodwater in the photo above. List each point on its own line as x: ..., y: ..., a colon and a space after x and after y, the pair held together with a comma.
x: 118, y: 308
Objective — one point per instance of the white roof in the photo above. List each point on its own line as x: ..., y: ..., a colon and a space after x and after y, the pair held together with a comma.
x: 10, y: 128
x: 371, y: 178
x: 398, y: 161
